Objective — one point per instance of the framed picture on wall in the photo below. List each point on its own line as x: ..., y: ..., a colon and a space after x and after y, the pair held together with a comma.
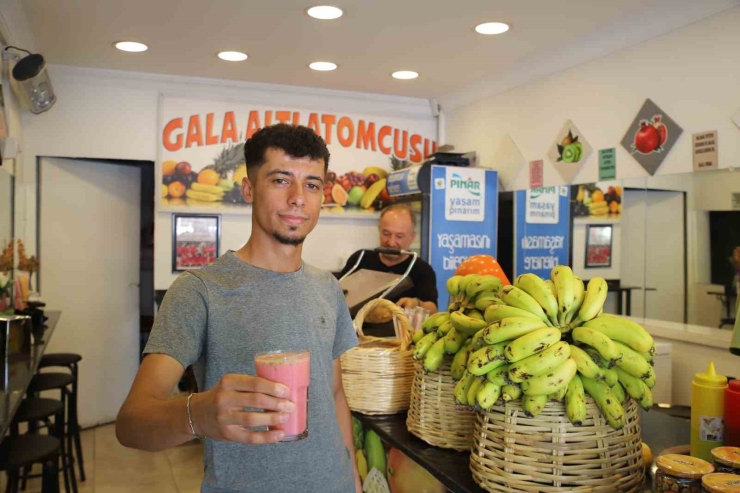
x: 196, y: 240
x: 598, y: 246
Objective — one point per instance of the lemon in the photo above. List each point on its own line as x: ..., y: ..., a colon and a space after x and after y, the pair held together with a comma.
x: 647, y: 455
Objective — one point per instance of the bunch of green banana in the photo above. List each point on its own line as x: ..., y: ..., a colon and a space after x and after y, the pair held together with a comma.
x: 539, y: 340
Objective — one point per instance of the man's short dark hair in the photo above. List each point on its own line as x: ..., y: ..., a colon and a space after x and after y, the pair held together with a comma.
x: 296, y: 141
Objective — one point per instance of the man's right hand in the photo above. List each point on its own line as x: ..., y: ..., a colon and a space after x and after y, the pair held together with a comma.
x: 219, y: 413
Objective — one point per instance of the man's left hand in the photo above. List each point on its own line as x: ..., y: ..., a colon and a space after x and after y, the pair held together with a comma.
x: 410, y: 303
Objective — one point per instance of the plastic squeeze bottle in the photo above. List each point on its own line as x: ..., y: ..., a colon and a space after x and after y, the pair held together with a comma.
x: 732, y: 414
x: 707, y: 412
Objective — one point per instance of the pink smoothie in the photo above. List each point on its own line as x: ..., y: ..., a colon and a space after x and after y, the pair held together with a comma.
x: 292, y: 369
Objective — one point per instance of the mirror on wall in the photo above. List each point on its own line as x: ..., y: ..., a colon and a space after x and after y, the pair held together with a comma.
x: 692, y: 232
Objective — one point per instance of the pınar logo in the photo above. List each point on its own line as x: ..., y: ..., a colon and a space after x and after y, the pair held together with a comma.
x: 471, y: 185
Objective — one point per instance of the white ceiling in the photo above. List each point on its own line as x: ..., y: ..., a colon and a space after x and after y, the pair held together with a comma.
x: 372, y: 39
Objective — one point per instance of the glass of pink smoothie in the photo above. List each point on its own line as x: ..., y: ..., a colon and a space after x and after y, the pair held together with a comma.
x: 292, y: 369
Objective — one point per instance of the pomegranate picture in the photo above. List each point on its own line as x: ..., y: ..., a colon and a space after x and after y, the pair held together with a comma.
x: 651, y: 136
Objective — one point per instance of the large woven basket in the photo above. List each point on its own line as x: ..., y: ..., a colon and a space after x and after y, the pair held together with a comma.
x: 377, y: 374
x: 514, y: 453
x: 433, y: 415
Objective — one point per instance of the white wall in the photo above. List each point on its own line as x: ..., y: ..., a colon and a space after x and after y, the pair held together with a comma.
x: 114, y: 115
x: 692, y: 73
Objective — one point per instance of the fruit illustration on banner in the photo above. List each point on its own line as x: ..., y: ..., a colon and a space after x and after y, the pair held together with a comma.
x: 596, y: 200
x: 651, y: 136
x: 538, y: 341
x: 569, y: 151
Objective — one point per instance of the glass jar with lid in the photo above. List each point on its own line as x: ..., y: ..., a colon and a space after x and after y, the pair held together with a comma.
x: 719, y: 482
x: 726, y: 459
x: 680, y: 473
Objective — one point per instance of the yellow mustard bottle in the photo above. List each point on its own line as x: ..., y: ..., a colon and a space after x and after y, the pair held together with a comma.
x: 707, y: 412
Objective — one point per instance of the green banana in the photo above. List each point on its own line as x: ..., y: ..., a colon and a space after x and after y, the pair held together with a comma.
x: 495, y: 313
x: 464, y: 282
x: 559, y: 395
x: 453, y: 341
x: 585, y: 364
x: 424, y: 345
x: 375, y: 453
x: 460, y: 361
x: 650, y: 355
x: 592, y: 302
x: 532, y: 343
x: 477, y: 341
x: 434, y: 321
x: 623, y: 330
x: 510, y: 392
x: 608, y: 403
x: 465, y: 324
x: 435, y: 356
x: 575, y: 402
x: 551, y: 286
x: 473, y: 391
x: 539, y: 363
x: 533, y: 405
x: 443, y: 329
x: 487, y: 294
x: 633, y: 385
x: 486, y: 302
x: 517, y: 298
x: 611, y: 377
x: 476, y: 314
x: 499, y: 376
x: 579, y: 294
x: 461, y: 388
x: 534, y: 286
x: 487, y: 358
x: 549, y: 383
x: 418, y: 334
x: 650, y: 378
x: 510, y: 328
x: 647, y: 398
x: 487, y: 395
x: 632, y: 362
x: 453, y: 285
x: 597, y: 340
x: 562, y: 277
x: 483, y: 283
x: 619, y: 392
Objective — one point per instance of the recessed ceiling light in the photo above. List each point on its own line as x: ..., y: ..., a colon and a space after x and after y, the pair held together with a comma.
x: 131, y: 46
x: 405, y: 75
x: 323, y: 66
x: 492, y: 28
x: 325, y: 12
x: 233, y: 56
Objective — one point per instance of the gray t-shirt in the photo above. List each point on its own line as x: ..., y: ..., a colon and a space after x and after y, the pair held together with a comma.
x: 216, y: 319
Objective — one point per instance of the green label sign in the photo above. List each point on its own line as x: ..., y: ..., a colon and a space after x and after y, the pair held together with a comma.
x: 607, y: 164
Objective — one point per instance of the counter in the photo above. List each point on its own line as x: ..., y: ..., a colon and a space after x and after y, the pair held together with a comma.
x: 452, y: 469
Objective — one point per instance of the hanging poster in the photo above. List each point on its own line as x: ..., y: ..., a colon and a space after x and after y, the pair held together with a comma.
x: 607, y: 164
x: 542, y: 230
x: 705, y: 151
x: 201, y: 164
x: 508, y: 161
x: 196, y: 240
x: 569, y: 151
x: 650, y: 136
x: 536, y: 173
x: 596, y: 201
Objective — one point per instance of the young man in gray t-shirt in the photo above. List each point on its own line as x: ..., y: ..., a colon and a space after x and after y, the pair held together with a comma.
x: 262, y: 297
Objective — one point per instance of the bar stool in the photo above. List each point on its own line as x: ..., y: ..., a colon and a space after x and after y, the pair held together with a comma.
x: 23, y: 451
x: 34, y: 410
x: 69, y: 361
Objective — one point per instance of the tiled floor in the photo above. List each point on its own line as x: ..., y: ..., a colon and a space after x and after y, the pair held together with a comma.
x: 111, y: 468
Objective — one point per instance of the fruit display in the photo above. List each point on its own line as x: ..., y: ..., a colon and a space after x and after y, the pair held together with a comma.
x: 589, y: 200
x: 569, y: 149
x: 539, y: 340
x: 364, y: 190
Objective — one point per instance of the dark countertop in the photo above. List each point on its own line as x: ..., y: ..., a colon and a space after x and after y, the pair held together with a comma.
x: 452, y: 469
x: 21, y: 371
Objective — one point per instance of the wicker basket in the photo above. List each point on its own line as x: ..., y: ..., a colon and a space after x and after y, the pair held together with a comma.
x: 514, y: 453
x: 433, y: 415
x: 377, y: 374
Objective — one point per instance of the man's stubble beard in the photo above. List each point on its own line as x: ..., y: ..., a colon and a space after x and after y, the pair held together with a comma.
x: 287, y: 240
